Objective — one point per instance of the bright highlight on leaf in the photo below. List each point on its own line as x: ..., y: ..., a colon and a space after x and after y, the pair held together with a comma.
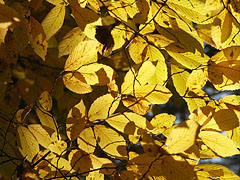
x: 182, y: 136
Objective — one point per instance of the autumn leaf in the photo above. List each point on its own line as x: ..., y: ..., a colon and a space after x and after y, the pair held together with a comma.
x: 28, y: 144
x: 54, y: 20
x: 219, y: 143
x: 182, y: 136
x: 110, y: 141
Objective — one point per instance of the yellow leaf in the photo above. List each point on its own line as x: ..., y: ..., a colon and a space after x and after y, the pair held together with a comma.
x: 215, y: 171
x: 58, y: 147
x: 76, y: 120
x: 151, y: 53
x: 40, y: 134
x: 119, y: 36
x: 196, y: 80
x: 8, y: 16
x: 226, y: 27
x: 159, y: 40
x: 138, y: 105
x: 223, y: 120
x: 176, y: 167
x: 80, y: 161
x: 179, y: 77
x: 70, y: 41
x: 161, y: 73
x: 190, y: 59
x: 28, y: 144
x: 162, y: 122
x: 102, y: 107
x: 225, y: 74
x: 85, y: 52
x: 38, y: 38
x: 116, y: 9
x: 219, y: 143
x: 76, y: 85
x: 195, y: 99
x: 95, y: 74
x: 47, y: 120
x: 194, y: 11
x: 45, y: 101
x: 202, y: 115
x: 83, y: 16
x: 86, y: 140
x: 234, y: 135
x: 99, y: 162
x: 135, y: 79
x: 55, y: 2
x: 182, y: 136
x: 155, y: 94
x: 231, y: 99
x: 60, y: 163
x: 110, y: 141
x: 136, y: 48
x: 214, y: 4
x: 54, y: 20
x: 128, y: 122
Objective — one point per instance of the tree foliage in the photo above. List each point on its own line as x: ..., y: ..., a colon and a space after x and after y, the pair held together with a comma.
x: 79, y: 79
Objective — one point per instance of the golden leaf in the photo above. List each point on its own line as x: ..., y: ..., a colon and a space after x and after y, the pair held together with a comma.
x: 70, y: 41
x: 58, y: 147
x: 76, y: 85
x: 136, y: 49
x: 86, y: 140
x: 219, y: 143
x: 38, y: 38
x: 85, y: 52
x: 110, y: 141
x: 231, y: 99
x: 162, y: 122
x: 54, y: 20
x: 223, y: 120
x: 182, y: 136
x: 47, y: 120
x: 102, y: 107
x: 128, y: 122
x: 41, y: 135
x: 28, y: 144
x: 215, y: 171
x: 135, y: 79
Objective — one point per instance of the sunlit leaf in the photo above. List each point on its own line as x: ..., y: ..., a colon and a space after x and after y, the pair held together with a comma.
x: 28, y: 144
x: 162, y: 122
x: 86, y: 140
x: 54, y: 20
x: 182, y: 136
x: 70, y: 41
x: 110, y: 141
x: 128, y: 122
x: 215, y: 171
x: 223, y: 120
x: 102, y: 107
x: 41, y: 135
x: 58, y: 147
x: 85, y: 52
x: 219, y: 143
